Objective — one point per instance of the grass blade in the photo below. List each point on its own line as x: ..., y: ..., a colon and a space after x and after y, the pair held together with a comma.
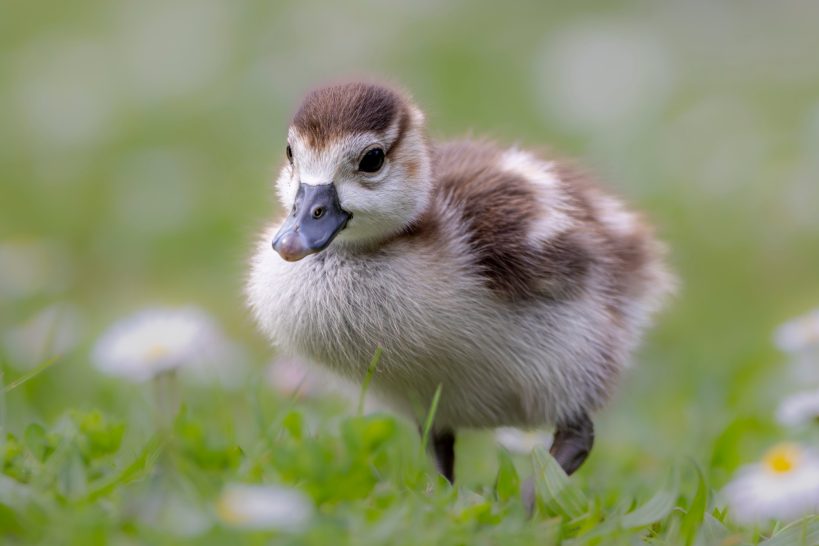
x: 507, y: 482
x: 433, y: 409
x: 655, y: 509
x: 32, y: 374
x: 2, y: 421
x: 368, y: 378
x: 554, y: 489
x: 652, y: 511
x: 804, y: 532
x: 139, y: 468
x: 692, y: 520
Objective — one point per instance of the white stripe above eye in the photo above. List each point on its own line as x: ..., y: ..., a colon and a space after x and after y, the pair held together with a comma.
x: 318, y: 167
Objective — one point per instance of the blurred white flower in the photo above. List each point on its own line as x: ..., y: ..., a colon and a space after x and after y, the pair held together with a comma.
x: 521, y: 441
x: 31, y: 267
x: 291, y: 377
x: 264, y: 507
x: 799, y: 408
x: 799, y: 334
x: 784, y: 486
x: 52, y: 332
x: 170, y: 511
x: 154, y: 340
x: 183, y: 518
x: 601, y: 74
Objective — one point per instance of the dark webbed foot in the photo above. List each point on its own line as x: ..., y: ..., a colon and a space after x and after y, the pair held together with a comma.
x: 572, y: 443
x: 443, y: 445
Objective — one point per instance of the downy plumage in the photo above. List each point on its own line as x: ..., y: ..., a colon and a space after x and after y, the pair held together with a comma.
x: 510, y: 279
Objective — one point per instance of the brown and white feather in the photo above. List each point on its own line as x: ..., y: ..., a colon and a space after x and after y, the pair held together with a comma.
x: 512, y: 280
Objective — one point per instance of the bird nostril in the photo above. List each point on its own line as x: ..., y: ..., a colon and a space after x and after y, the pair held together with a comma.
x: 317, y: 212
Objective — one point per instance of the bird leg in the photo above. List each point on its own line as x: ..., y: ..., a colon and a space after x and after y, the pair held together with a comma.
x: 572, y: 443
x: 571, y: 446
x: 443, y: 446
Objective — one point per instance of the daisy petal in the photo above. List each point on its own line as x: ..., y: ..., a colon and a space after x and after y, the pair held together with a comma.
x: 155, y: 340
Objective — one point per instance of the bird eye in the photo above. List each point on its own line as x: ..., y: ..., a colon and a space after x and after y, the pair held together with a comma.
x: 372, y: 161
x: 289, y: 153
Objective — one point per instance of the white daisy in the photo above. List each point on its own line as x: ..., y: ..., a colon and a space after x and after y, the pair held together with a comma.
x: 522, y: 441
x: 264, y: 507
x: 799, y: 409
x: 799, y: 334
x: 155, y: 340
x: 784, y: 486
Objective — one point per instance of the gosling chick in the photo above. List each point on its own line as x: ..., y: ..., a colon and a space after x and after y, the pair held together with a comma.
x: 509, y: 279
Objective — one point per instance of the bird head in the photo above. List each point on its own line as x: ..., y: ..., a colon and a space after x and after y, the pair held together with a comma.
x: 357, y: 170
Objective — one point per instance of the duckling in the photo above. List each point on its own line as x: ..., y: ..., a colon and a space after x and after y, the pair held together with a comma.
x: 510, y: 279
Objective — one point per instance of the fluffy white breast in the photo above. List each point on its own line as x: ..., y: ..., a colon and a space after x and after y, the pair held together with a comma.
x: 438, y: 323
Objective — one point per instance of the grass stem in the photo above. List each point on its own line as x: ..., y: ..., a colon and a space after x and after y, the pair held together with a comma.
x: 368, y: 378
x: 31, y: 375
x: 433, y: 409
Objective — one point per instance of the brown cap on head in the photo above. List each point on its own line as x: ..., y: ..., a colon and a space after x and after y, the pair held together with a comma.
x: 330, y: 112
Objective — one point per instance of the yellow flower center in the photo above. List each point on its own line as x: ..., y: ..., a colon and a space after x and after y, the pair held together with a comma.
x: 156, y: 352
x: 782, y: 458
x: 227, y: 510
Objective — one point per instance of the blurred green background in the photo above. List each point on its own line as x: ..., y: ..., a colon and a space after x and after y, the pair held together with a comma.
x: 139, y: 141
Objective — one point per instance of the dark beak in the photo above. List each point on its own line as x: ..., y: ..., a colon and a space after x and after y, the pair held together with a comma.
x: 315, y: 220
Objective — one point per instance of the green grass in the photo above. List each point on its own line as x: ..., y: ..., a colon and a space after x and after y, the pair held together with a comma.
x: 137, y: 146
x: 91, y: 478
